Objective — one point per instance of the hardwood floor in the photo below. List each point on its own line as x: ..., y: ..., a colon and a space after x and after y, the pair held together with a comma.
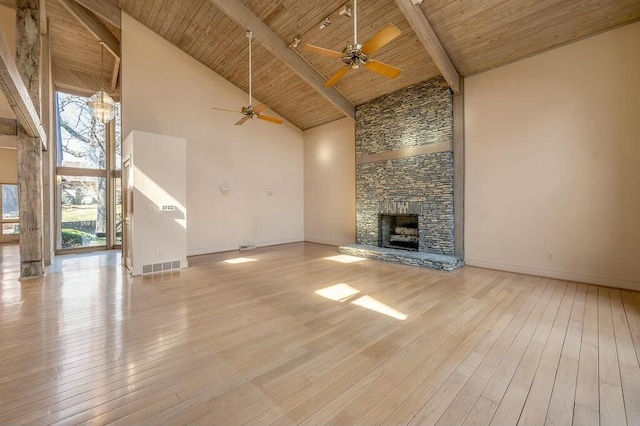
x: 264, y: 342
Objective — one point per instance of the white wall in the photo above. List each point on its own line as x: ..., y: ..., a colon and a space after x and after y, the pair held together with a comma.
x: 330, y: 183
x: 159, y: 179
x: 8, y: 166
x: 553, y: 162
x: 8, y: 27
x: 165, y: 91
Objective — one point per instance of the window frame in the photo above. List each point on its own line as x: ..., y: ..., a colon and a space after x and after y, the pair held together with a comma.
x: 109, y: 172
x: 14, y: 237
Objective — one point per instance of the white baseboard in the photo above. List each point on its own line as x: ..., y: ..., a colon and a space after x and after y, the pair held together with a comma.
x: 325, y: 241
x: 209, y: 250
x: 551, y: 273
x: 220, y: 249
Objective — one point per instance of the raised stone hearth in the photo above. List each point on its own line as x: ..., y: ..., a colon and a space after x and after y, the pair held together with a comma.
x: 413, y: 258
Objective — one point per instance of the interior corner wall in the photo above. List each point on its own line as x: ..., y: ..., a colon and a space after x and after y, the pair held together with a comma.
x: 330, y: 183
x: 167, y: 92
x: 8, y: 166
x: 552, y: 163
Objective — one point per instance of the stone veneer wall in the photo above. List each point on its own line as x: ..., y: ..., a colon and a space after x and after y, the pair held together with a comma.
x: 421, y: 114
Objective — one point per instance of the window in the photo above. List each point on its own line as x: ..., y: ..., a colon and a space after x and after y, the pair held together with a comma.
x: 83, y: 216
x: 82, y: 138
x: 10, y: 212
x: 88, y: 174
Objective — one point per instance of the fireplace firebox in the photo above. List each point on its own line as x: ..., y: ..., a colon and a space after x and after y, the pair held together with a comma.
x: 398, y: 231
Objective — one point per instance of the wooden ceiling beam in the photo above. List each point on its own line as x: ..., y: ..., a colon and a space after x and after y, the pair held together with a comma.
x: 114, y: 75
x: 418, y: 21
x: 239, y: 13
x: 17, y: 95
x: 93, y: 24
x: 104, y: 9
x: 8, y: 127
x: 100, y: 31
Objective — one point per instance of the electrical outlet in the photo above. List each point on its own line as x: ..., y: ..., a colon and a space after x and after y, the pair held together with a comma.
x: 551, y: 256
x: 159, y: 252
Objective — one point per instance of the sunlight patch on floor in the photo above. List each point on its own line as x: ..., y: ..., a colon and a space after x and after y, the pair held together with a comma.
x: 369, y: 302
x: 343, y: 292
x: 345, y: 258
x: 238, y: 260
x: 339, y: 292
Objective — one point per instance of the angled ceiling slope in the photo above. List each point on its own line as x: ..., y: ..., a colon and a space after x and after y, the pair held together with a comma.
x: 477, y: 36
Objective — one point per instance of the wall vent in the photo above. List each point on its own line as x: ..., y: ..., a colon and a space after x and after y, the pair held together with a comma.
x: 160, y: 267
x: 247, y: 247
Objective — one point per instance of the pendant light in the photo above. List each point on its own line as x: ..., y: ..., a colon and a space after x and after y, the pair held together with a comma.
x: 102, y: 106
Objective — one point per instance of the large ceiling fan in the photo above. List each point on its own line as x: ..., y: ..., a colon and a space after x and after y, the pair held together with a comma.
x: 252, y: 111
x: 356, y: 55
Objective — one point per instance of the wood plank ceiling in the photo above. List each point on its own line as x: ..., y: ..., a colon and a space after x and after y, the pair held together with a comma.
x: 478, y: 35
x: 76, y: 53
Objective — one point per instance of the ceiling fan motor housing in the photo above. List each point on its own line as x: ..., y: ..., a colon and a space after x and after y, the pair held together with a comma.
x: 354, y: 57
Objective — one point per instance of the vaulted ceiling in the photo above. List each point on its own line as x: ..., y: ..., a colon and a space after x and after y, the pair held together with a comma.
x: 478, y: 35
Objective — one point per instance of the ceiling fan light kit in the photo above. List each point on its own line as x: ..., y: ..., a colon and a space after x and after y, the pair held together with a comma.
x: 251, y: 112
x: 357, y: 55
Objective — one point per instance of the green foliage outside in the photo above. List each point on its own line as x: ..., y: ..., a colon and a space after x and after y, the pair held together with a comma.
x: 72, y: 238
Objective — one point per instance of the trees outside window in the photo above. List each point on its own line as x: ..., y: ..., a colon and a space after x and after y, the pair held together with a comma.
x: 83, y: 152
x: 10, y: 214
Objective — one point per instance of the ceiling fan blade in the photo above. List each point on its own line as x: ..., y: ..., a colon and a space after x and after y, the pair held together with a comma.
x: 270, y: 119
x: 242, y: 120
x: 337, y: 76
x: 322, y: 51
x: 381, y: 39
x: 259, y: 108
x: 227, y: 110
x: 382, y: 68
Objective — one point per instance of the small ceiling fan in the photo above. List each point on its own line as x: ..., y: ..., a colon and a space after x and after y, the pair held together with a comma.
x: 252, y: 111
x: 356, y: 55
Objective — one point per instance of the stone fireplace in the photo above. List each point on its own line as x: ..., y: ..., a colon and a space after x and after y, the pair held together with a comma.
x: 398, y: 231
x: 404, y: 177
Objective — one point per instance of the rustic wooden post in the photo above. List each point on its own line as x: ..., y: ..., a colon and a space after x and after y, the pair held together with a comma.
x: 29, y: 148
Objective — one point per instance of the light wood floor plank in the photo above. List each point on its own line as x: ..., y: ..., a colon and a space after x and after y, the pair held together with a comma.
x: 255, y: 344
x: 527, y: 368
x: 628, y: 361
x: 611, y: 399
x: 587, y: 394
x: 561, y: 406
x: 464, y: 401
x: 537, y: 404
x: 459, y: 342
x: 633, y: 318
